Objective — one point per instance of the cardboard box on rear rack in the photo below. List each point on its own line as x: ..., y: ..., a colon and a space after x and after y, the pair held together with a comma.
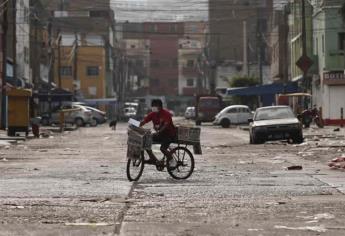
x: 139, y: 139
x: 190, y: 136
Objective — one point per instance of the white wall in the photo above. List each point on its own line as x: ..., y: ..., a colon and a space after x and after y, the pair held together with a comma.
x: 23, y: 40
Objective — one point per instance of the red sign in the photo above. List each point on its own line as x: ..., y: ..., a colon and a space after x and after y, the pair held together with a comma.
x: 304, y: 63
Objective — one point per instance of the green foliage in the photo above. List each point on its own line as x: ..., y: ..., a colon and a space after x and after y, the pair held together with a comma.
x: 342, y: 12
x: 250, y: 101
x: 243, y: 82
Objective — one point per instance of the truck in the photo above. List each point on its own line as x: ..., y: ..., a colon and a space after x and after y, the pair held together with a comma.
x: 207, y: 107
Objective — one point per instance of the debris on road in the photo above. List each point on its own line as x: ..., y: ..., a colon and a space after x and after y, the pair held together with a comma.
x: 89, y: 224
x: 295, y: 167
x: 319, y: 229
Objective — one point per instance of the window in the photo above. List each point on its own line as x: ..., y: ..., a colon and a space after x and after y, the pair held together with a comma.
x: 26, y: 15
x: 133, y: 46
x: 190, y: 82
x: 139, y: 63
x: 323, y: 43
x: 26, y: 55
x: 316, y: 46
x: 92, y: 70
x: 152, y: 28
x: 341, y: 37
x: 233, y: 110
x: 155, y: 63
x: 155, y: 82
x: 190, y: 63
x: 173, y: 28
x: 66, y: 70
x: 174, y: 63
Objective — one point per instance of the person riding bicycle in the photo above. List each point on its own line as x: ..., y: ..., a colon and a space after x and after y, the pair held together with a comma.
x: 163, y: 125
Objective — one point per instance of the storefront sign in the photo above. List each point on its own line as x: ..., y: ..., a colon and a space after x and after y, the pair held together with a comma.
x: 334, y: 78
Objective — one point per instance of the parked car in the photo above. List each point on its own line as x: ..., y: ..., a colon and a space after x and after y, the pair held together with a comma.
x: 275, y: 123
x: 189, y: 113
x: 129, y: 112
x: 236, y: 114
x: 98, y: 115
x: 81, y: 116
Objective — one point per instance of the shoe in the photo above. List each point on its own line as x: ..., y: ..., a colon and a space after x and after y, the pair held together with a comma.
x: 160, y: 165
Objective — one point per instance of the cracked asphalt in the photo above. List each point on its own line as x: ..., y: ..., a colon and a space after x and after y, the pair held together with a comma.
x: 75, y: 184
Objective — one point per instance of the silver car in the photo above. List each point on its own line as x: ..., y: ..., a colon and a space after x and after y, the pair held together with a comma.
x: 275, y: 123
x: 78, y: 115
x: 98, y: 115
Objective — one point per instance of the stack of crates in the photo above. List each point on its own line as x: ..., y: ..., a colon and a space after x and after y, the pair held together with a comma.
x: 190, y: 136
x: 139, y: 139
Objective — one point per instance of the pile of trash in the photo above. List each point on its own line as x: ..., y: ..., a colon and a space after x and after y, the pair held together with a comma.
x: 337, y: 163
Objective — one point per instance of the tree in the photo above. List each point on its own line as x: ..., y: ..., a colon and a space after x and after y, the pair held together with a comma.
x: 342, y: 12
x: 237, y: 82
x: 244, y: 82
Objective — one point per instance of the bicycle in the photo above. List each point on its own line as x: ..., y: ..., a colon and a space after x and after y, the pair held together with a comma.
x: 180, y: 166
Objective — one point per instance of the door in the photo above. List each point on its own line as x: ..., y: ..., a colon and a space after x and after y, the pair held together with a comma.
x: 244, y: 115
x: 232, y: 115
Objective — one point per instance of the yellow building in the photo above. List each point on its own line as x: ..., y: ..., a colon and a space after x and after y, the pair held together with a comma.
x: 90, y: 80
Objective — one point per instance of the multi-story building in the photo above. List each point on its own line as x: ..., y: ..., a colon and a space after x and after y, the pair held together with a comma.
x: 329, y: 47
x: 191, y: 58
x: 237, y: 39
x: 163, y: 39
x: 137, y: 52
x: 82, y: 35
x: 296, y: 43
x: 279, y: 46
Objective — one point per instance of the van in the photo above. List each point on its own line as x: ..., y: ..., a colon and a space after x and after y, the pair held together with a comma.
x: 207, y: 107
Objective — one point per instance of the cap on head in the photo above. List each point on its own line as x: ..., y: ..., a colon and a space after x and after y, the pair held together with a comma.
x: 157, y: 103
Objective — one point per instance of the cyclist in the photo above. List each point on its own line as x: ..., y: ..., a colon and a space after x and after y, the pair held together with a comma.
x: 165, y: 130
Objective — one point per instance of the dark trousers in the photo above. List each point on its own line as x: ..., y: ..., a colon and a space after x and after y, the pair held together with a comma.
x: 165, y: 141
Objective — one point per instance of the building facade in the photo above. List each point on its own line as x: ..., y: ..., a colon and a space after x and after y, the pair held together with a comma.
x: 279, y: 46
x: 237, y: 38
x: 82, y: 36
x: 329, y: 46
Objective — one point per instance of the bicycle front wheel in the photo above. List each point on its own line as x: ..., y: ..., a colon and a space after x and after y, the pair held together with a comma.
x: 181, y: 166
x: 135, y: 168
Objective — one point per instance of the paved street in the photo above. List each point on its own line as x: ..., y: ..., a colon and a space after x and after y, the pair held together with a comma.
x: 75, y: 184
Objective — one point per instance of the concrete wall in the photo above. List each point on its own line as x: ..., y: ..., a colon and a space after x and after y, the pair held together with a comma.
x: 23, y: 41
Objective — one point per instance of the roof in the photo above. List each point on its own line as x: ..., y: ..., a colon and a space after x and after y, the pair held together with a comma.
x: 264, y: 89
x: 269, y: 107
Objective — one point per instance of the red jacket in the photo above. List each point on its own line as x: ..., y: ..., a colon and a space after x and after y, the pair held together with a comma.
x: 159, y: 119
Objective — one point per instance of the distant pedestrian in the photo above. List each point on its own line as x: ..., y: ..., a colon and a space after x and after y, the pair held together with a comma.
x: 113, y: 124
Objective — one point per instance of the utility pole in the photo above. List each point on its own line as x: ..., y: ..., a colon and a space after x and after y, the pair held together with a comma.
x: 59, y: 60
x: 304, y: 45
x: 62, y: 8
x: 245, y: 50
x: 75, y: 57
x: 14, y: 40
x: 4, y: 66
x: 51, y: 63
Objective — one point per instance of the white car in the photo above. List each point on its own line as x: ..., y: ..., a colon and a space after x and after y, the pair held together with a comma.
x: 275, y: 123
x: 190, y: 113
x: 236, y: 114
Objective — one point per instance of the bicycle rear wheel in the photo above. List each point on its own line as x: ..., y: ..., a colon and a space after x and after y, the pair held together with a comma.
x: 181, y: 166
x: 135, y: 168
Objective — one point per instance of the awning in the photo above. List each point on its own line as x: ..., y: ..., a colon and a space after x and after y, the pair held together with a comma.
x: 268, y: 89
x: 54, y: 95
x: 100, y: 101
